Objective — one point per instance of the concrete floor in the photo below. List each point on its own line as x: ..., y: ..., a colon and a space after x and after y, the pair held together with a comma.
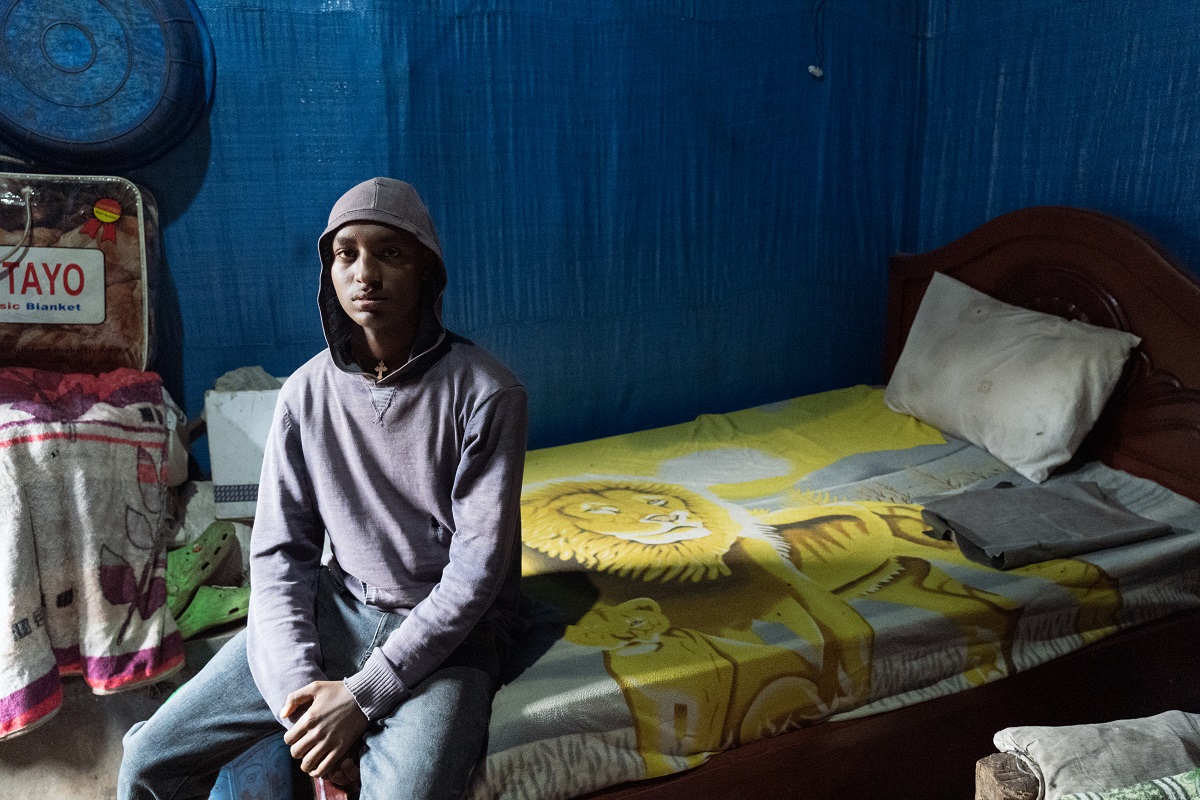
x: 76, y: 753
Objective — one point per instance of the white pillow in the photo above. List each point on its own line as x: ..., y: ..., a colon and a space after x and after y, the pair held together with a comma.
x: 1023, y: 385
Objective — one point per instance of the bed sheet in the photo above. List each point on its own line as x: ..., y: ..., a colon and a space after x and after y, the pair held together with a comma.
x: 693, y: 588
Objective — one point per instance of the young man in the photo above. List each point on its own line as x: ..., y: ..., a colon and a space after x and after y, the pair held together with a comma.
x: 403, y: 445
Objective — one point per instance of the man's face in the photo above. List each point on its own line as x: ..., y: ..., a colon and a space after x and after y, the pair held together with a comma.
x: 377, y: 273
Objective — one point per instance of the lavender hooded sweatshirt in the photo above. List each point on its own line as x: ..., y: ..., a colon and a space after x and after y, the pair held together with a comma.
x: 415, y: 481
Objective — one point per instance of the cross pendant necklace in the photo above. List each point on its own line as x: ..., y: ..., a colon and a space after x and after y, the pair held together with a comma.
x: 380, y: 370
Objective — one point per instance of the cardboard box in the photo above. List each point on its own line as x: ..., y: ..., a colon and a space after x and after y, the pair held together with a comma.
x: 237, y: 422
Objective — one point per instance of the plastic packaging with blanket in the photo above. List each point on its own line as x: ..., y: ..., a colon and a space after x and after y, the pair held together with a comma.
x: 78, y: 260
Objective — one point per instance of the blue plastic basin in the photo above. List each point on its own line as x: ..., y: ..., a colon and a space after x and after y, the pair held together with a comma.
x: 102, y: 86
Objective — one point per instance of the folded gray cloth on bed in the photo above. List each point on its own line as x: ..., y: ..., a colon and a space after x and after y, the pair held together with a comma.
x: 1095, y: 758
x: 1010, y: 527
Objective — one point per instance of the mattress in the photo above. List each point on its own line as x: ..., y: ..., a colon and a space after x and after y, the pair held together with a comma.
x: 693, y: 588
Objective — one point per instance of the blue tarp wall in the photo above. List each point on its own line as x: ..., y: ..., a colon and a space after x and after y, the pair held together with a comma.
x: 653, y: 210
x: 1073, y: 102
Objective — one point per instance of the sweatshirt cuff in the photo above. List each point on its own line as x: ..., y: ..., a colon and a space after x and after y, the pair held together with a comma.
x: 376, y: 687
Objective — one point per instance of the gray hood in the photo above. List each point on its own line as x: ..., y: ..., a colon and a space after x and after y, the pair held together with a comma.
x: 390, y: 202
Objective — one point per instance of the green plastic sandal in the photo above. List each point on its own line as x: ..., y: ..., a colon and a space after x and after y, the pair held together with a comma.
x: 189, y: 567
x: 213, y: 606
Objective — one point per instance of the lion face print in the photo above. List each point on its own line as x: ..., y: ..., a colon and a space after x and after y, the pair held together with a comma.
x: 636, y: 528
x: 632, y: 626
x: 637, y: 516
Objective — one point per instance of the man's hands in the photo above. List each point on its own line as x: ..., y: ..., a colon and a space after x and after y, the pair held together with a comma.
x: 327, y: 723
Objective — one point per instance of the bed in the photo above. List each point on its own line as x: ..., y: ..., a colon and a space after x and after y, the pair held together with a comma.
x: 691, y: 635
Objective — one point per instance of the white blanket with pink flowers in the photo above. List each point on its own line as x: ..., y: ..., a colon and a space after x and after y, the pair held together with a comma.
x: 83, y: 509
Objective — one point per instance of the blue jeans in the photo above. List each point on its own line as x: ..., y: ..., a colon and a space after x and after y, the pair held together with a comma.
x: 427, y: 748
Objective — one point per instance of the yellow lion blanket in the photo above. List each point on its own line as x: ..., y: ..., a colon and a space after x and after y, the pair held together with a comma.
x: 698, y: 587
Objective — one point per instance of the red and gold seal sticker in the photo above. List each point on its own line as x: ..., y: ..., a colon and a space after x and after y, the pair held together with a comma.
x: 105, y: 213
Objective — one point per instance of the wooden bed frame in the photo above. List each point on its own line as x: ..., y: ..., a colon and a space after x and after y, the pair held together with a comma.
x: 1082, y: 265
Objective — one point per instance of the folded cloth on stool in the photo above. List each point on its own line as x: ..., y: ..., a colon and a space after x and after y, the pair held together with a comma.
x: 1095, y: 758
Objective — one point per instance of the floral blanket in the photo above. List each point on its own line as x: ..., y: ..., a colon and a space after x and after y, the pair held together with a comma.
x: 693, y: 588
x: 1184, y: 786
x: 83, y: 502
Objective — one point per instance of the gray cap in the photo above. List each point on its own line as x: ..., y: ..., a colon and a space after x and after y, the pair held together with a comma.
x: 385, y: 201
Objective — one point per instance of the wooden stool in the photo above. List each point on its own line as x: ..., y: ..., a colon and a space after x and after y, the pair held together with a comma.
x: 998, y: 777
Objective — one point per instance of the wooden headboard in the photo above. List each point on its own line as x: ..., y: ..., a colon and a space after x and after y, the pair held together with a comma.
x: 1092, y: 267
